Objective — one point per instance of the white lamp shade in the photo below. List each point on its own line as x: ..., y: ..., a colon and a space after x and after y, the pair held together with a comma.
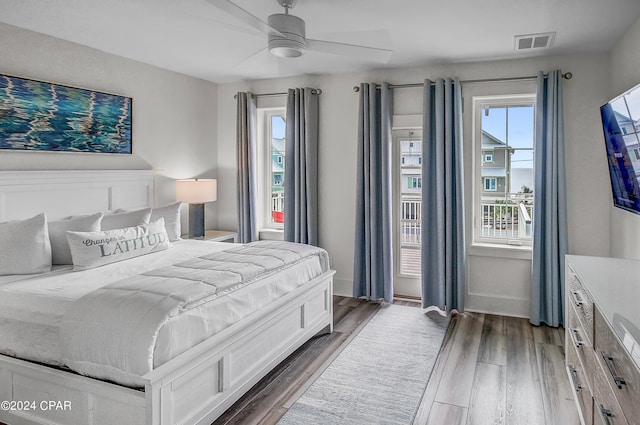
x: 196, y: 191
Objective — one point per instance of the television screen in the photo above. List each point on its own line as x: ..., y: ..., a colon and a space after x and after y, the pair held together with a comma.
x: 621, y: 124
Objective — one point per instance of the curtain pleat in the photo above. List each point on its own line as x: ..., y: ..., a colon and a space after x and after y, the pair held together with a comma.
x: 550, y: 242
x: 373, y: 257
x: 246, y: 154
x: 443, y: 227
x: 301, y: 167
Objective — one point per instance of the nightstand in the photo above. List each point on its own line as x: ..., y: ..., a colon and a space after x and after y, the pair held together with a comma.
x: 215, y: 236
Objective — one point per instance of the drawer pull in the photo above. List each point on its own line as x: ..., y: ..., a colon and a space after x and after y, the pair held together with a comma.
x: 577, y: 298
x: 574, y: 337
x: 574, y: 378
x: 608, y: 360
x: 606, y: 414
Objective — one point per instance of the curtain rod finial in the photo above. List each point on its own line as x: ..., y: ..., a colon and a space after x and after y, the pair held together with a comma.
x: 567, y: 75
x: 356, y: 89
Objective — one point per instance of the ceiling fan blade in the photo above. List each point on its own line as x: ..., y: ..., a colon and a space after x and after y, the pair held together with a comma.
x: 250, y: 58
x: 373, y: 54
x: 245, y: 16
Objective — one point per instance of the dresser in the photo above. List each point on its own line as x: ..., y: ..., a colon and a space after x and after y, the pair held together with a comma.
x: 602, y: 322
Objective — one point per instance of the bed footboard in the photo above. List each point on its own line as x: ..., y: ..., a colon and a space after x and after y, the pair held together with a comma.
x: 193, y: 388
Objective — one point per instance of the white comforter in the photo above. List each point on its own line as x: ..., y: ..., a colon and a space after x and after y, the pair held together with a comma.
x: 32, y: 309
x: 111, y: 332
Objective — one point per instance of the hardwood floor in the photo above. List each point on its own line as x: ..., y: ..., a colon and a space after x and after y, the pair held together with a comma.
x: 490, y: 370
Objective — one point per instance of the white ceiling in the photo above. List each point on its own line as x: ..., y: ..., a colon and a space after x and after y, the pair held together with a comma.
x: 194, y: 38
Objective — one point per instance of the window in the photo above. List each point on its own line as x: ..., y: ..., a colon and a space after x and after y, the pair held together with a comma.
x: 490, y: 184
x: 504, y: 146
x: 636, y: 153
x: 271, y: 125
x: 414, y: 182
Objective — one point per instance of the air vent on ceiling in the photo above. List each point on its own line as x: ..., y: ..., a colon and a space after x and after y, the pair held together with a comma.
x: 534, y: 41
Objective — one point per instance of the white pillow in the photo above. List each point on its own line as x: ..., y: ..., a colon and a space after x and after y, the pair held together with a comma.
x: 126, y: 219
x: 171, y: 215
x: 25, y: 246
x: 93, y: 249
x: 60, y: 252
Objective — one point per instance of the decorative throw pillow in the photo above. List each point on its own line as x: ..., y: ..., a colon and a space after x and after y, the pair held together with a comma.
x: 93, y: 249
x: 60, y: 252
x: 121, y: 220
x: 25, y: 246
x: 171, y: 215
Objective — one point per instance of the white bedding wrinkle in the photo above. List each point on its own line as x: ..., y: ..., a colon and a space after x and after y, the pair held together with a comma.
x: 123, y: 330
x: 32, y: 306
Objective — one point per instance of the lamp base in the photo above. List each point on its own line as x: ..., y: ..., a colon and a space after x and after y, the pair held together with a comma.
x: 196, y: 220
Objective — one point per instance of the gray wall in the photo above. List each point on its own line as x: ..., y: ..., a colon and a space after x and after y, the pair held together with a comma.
x: 174, y: 116
x: 625, y: 71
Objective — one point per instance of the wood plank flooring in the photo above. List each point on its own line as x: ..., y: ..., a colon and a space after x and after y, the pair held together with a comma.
x: 490, y: 370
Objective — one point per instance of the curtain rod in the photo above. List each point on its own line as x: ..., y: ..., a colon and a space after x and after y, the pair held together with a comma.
x: 313, y: 91
x: 566, y: 76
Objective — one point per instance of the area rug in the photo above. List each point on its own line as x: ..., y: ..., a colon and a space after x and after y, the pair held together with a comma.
x: 380, y: 377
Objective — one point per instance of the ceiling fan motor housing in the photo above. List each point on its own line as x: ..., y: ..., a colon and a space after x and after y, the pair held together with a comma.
x: 294, y: 43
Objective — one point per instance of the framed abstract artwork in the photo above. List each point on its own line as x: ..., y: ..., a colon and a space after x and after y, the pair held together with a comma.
x: 41, y: 116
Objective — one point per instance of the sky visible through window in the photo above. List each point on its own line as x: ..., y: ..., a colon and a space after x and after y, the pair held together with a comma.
x: 520, y: 131
x: 277, y: 127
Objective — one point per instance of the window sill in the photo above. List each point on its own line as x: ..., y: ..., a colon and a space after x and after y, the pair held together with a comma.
x: 271, y: 234
x: 501, y: 251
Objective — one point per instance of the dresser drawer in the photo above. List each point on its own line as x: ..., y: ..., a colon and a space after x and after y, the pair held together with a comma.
x: 578, y: 382
x: 619, y: 369
x: 578, y: 297
x: 576, y: 338
x: 606, y: 408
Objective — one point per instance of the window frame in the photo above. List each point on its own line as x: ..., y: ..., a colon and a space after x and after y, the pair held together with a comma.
x: 265, y: 176
x: 478, y: 184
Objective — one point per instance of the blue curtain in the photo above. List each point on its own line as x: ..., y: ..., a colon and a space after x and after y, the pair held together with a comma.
x: 246, y: 155
x: 443, y: 241
x: 373, y: 261
x: 549, y: 205
x: 301, y: 167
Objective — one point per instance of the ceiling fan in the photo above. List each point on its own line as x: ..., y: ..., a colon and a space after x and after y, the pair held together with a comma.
x: 287, y: 35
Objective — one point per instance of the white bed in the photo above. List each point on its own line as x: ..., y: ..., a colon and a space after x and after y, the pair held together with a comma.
x: 190, y: 382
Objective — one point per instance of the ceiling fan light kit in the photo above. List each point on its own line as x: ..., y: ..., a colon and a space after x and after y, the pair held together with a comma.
x: 292, y: 43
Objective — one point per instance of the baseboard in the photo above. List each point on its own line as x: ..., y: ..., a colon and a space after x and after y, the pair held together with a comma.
x: 342, y: 287
x: 513, y: 307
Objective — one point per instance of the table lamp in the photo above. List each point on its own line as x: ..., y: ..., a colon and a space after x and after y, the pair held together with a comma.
x: 196, y: 192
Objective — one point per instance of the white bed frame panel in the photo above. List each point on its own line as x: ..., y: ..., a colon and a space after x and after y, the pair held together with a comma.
x: 195, y: 387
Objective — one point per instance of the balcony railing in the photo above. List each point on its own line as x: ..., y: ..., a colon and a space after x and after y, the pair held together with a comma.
x: 510, y: 220
x: 277, y: 207
x: 410, y: 235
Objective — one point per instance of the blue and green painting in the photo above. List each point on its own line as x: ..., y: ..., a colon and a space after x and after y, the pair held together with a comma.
x: 40, y: 116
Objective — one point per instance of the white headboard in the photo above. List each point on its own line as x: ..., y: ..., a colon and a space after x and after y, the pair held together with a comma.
x: 63, y: 193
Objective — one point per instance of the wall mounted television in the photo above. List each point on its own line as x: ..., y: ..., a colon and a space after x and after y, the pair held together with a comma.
x: 621, y: 125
